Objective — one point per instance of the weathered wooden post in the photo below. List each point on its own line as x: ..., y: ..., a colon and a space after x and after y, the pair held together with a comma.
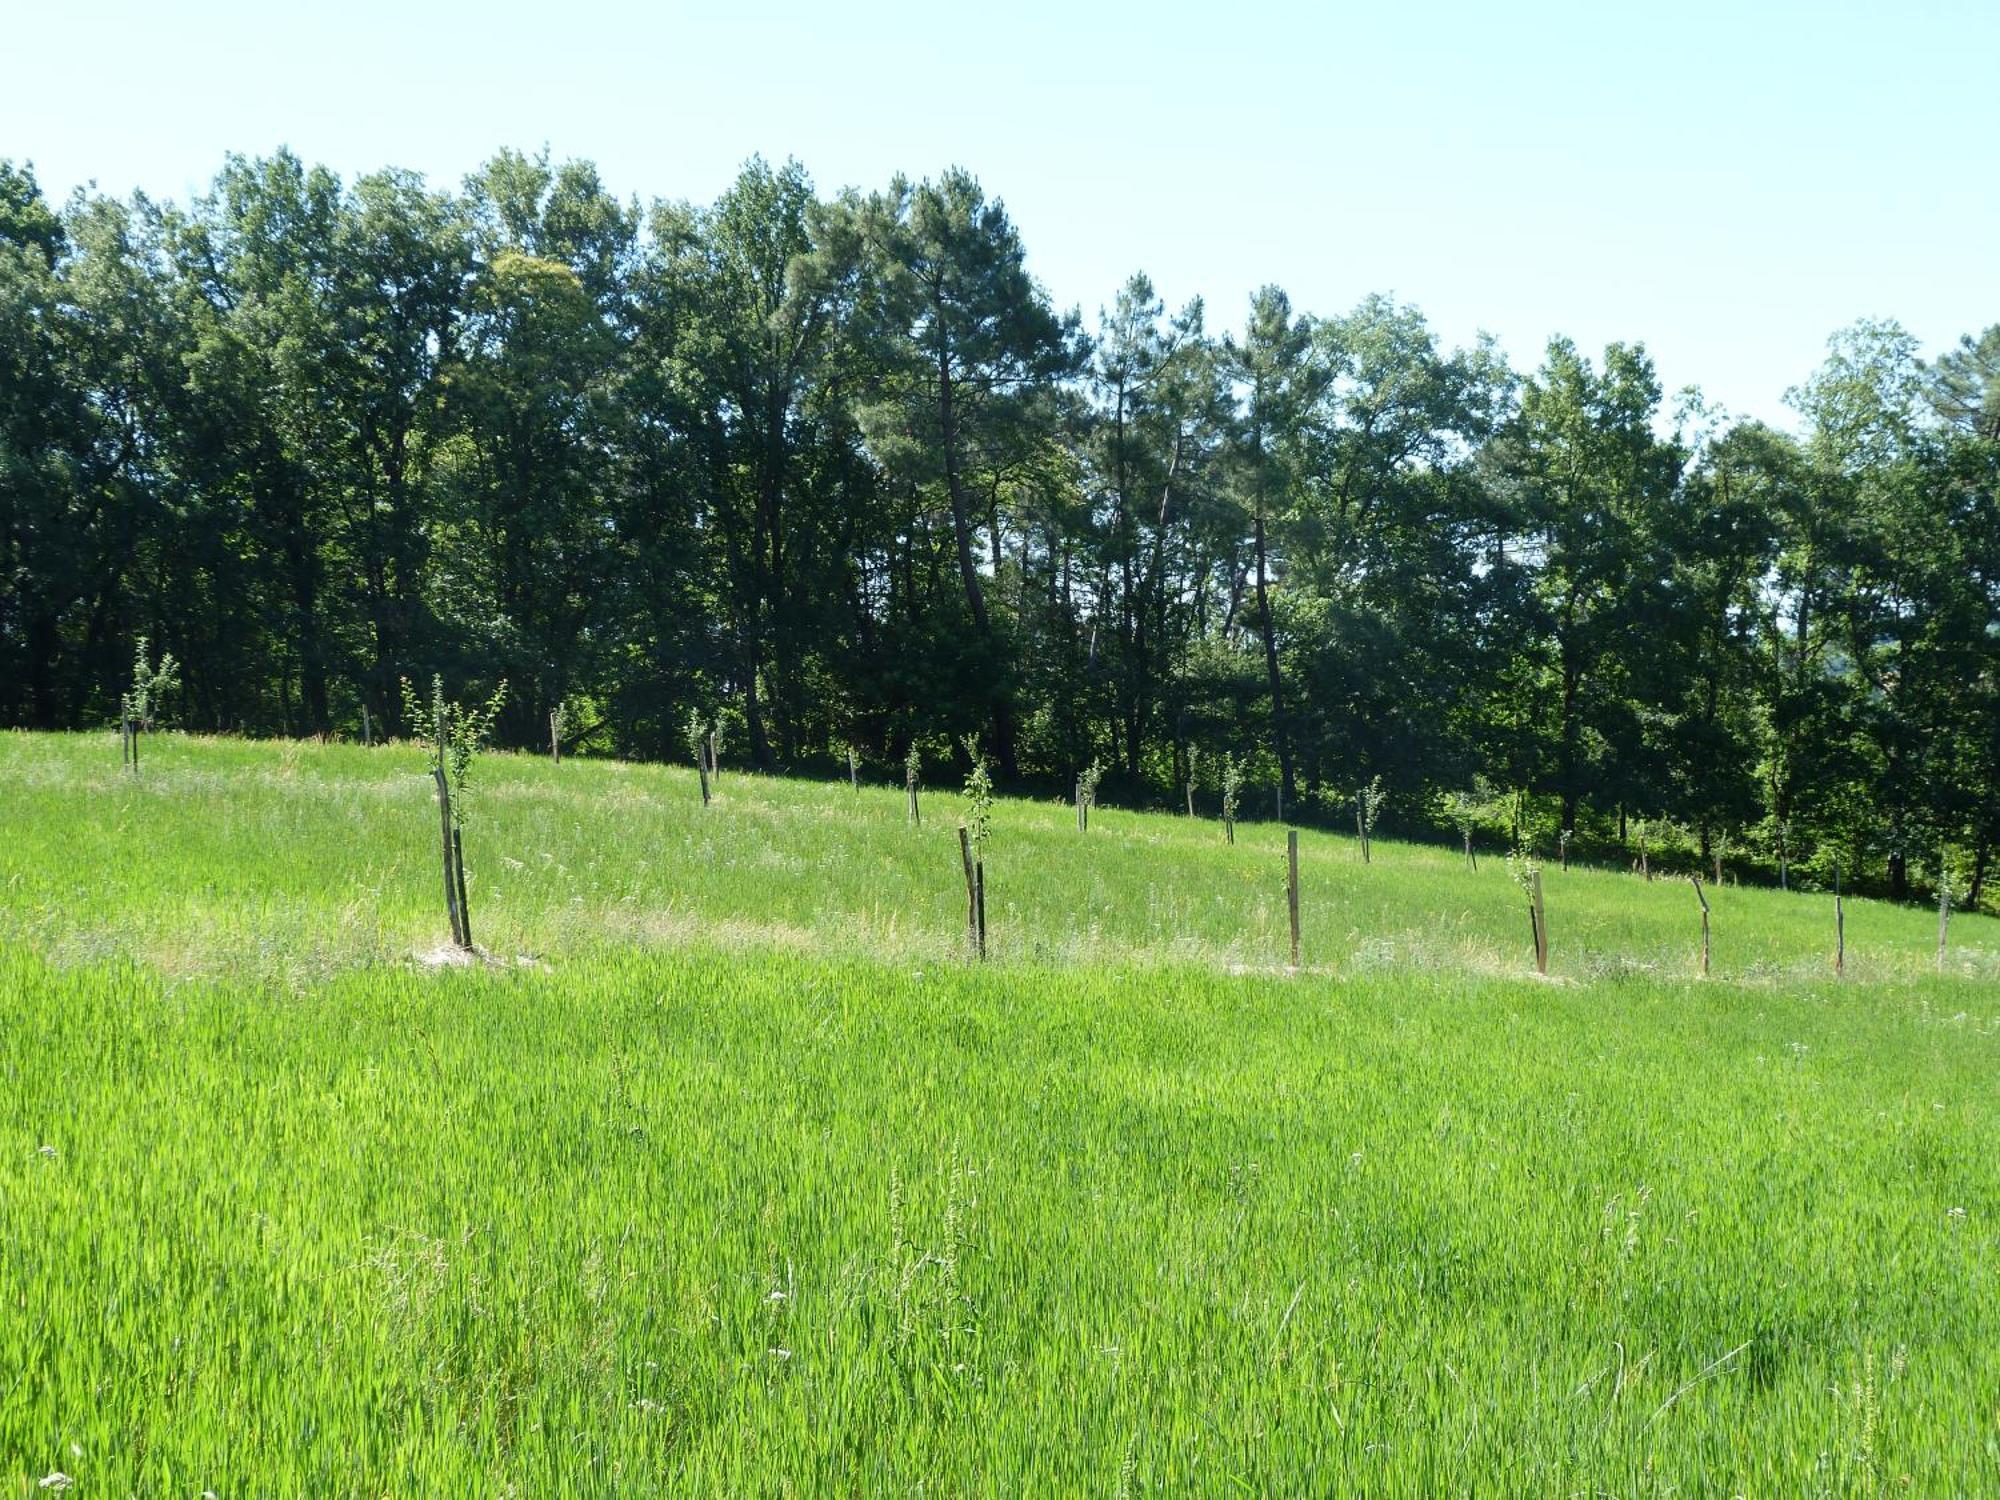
x: 1562, y: 846
x: 367, y: 728
x: 1079, y: 804
x: 1470, y: 858
x: 1360, y: 828
x: 1695, y: 881
x: 701, y: 766
x: 1292, y: 887
x: 910, y: 786
x: 853, y: 771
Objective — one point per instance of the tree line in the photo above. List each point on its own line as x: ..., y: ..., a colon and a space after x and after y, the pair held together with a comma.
x: 836, y: 469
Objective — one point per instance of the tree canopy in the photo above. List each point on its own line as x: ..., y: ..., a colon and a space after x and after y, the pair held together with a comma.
x: 836, y: 470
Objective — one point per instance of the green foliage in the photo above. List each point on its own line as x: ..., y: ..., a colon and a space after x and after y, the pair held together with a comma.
x: 152, y: 685
x: 978, y: 817
x: 1086, y: 782
x: 451, y: 734
x: 839, y: 465
x: 1369, y: 800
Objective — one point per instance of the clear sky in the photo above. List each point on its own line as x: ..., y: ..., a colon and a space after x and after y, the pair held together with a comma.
x: 1727, y: 182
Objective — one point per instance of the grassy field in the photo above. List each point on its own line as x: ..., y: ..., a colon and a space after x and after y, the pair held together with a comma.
x: 733, y: 1176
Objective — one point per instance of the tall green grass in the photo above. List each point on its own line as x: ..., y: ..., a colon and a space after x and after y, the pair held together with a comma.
x: 300, y: 860
x: 780, y: 1194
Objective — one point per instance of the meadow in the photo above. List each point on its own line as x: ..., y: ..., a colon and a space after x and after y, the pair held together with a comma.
x: 733, y: 1174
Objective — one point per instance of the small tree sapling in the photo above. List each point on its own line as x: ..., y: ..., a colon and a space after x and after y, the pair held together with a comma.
x: 141, y: 706
x: 452, y: 736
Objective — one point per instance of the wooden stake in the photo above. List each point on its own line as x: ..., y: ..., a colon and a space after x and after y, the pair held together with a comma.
x: 458, y: 866
x: 1190, y: 797
x: 853, y: 771
x: 1079, y: 804
x: 1470, y: 858
x: 1944, y: 904
x: 714, y: 752
x: 1229, y: 830
x: 979, y: 903
x: 910, y: 785
x: 133, y: 731
x: 1695, y: 881
x: 1839, y: 927
x: 445, y: 842
x: 1361, y: 829
x: 702, y: 767
x: 367, y: 728
x: 971, y: 889
x: 555, y: 739
x: 1541, y: 924
x: 1292, y: 887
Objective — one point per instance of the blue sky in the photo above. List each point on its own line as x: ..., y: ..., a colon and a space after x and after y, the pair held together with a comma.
x: 1727, y: 183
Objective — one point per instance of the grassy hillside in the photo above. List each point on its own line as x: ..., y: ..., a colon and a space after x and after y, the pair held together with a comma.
x: 300, y: 860
x: 752, y: 1184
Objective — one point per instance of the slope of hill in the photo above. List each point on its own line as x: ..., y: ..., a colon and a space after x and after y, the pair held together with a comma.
x: 751, y: 1182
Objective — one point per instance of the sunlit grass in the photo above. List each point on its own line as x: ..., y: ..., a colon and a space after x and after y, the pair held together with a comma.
x: 754, y: 1184
x: 298, y: 860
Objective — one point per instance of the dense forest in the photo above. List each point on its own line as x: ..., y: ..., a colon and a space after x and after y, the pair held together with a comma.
x: 836, y: 470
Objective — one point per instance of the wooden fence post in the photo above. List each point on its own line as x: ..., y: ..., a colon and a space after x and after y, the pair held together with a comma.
x: 1695, y: 881
x: 701, y: 766
x: 853, y: 771
x: 910, y: 786
x: 1360, y: 828
x: 555, y: 738
x: 1229, y: 829
x: 1292, y: 887
x: 1079, y: 804
x: 367, y: 728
